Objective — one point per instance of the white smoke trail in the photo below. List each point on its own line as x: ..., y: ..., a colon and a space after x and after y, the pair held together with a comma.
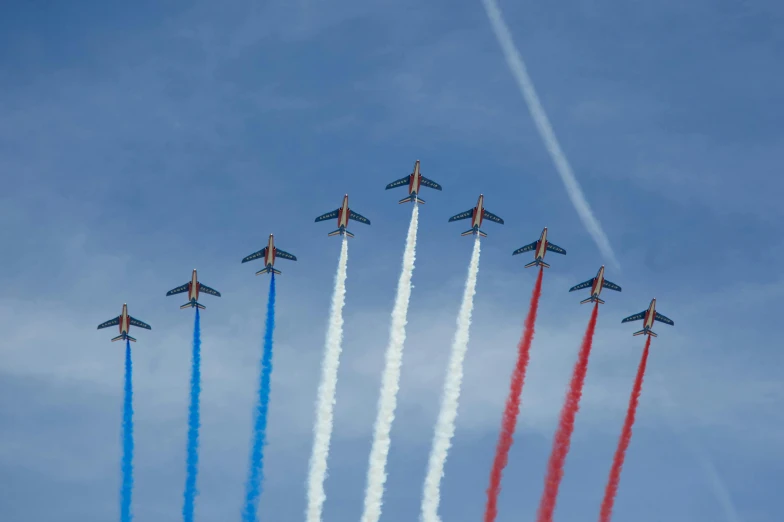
x: 445, y: 426
x: 322, y: 431
x: 390, y: 380
x: 520, y: 73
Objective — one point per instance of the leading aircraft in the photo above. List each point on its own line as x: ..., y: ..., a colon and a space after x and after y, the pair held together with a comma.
x: 124, y: 321
x: 415, y: 181
x: 596, y: 284
x: 476, y: 214
x: 193, y: 287
x: 541, y: 246
x: 343, y: 214
x: 649, y: 316
x: 269, y: 253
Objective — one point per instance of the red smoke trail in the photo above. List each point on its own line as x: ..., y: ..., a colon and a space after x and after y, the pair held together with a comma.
x: 563, y: 437
x: 623, y: 442
x: 509, y: 422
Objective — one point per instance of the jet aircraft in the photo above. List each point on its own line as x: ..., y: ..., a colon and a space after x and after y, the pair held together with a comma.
x: 269, y: 253
x: 193, y: 287
x: 649, y: 316
x: 124, y: 321
x: 541, y: 246
x: 415, y: 181
x: 476, y: 214
x: 596, y: 284
x: 343, y: 214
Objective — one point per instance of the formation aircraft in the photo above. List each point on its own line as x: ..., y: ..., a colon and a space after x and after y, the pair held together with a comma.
x: 269, y: 253
x: 343, y: 214
x: 124, y: 321
x: 476, y: 214
x: 193, y: 287
x: 541, y: 246
x: 596, y: 284
x: 415, y: 181
x: 648, y: 317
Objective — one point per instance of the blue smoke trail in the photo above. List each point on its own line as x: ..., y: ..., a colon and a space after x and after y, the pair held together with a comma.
x: 127, y: 440
x: 193, y: 425
x: 256, y: 464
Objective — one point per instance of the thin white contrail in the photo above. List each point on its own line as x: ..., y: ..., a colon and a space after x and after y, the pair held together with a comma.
x: 720, y: 490
x: 520, y: 73
x: 390, y: 381
x: 445, y: 426
x: 325, y: 403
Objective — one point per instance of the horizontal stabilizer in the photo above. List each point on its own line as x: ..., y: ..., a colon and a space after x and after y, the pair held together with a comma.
x: 537, y: 263
x: 649, y: 332
x: 267, y: 270
x: 468, y: 232
x: 341, y: 232
x: 592, y: 299
x: 192, y: 304
x: 123, y: 337
x: 411, y: 198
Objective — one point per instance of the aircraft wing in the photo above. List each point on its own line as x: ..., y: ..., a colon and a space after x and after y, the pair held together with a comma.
x: 584, y: 284
x: 207, y: 290
x: 430, y: 183
x: 329, y: 215
x: 285, y: 255
x: 178, y: 290
x: 140, y: 324
x: 358, y: 217
x: 526, y: 248
x: 555, y: 248
x: 398, y: 183
x: 256, y: 255
x: 666, y: 320
x: 635, y: 317
x: 493, y: 217
x: 611, y: 285
x: 463, y: 215
x: 110, y: 322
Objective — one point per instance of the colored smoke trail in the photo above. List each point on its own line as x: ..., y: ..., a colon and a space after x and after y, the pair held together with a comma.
x: 127, y: 440
x: 445, y: 426
x: 563, y: 436
x: 625, y: 439
x: 325, y: 403
x: 518, y: 69
x: 509, y: 422
x: 390, y: 381
x: 256, y: 463
x: 192, y: 466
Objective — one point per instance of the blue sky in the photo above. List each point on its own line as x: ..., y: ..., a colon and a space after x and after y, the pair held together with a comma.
x: 138, y: 142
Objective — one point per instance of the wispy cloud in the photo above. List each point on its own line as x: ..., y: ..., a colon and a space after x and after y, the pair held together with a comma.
x: 518, y: 69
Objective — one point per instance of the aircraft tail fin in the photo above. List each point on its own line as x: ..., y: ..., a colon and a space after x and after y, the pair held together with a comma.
x: 267, y: 270
x: 537, y: 262
x: 341, y: 231
x: 592, y: 299
x: 474, y: 232
x: 649, y: 332
x: 193, y: 304
x: 123, y: 337
x: 413, y: 197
